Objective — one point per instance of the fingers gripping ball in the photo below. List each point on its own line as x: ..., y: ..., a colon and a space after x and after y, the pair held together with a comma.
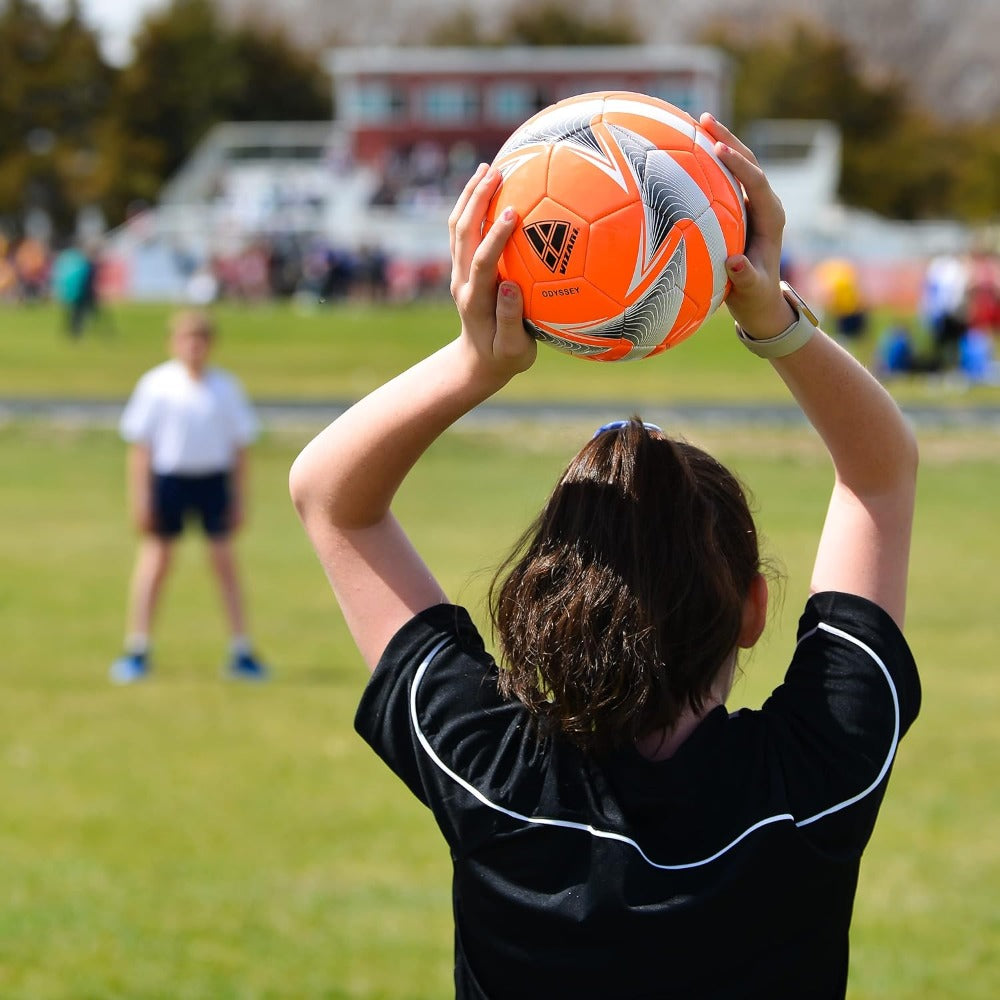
x: 626, y: 220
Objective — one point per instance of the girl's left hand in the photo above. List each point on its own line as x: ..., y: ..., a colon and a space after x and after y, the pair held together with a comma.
x: 755, y: 301
x: 491, y: 314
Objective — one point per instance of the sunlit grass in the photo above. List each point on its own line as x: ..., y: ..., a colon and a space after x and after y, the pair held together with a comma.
x: 340, y: 352
x: 193, y: 839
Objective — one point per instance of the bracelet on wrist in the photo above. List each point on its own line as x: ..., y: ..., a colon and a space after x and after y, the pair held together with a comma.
x: 793, y: 337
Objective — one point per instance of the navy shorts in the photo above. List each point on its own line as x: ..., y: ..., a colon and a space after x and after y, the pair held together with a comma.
x: 176, y: 497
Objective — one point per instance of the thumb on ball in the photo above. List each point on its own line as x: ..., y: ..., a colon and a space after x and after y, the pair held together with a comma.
x: 509, y: 304
x: 740, y: 270
x: 510, y: 334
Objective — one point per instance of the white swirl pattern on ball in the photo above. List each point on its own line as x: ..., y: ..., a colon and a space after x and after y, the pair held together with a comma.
x: 642, y: 324
x: 560, y: 343
x: 553, y: 126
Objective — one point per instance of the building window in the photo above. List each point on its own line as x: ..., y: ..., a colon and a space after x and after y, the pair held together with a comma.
x: 511, y: 103
x: 377, y: 102
x: 681, y: 95
x: 449, y: 102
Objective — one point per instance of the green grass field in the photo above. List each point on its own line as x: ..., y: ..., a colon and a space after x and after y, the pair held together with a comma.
x: 193, y: 839
x: 341, y: 353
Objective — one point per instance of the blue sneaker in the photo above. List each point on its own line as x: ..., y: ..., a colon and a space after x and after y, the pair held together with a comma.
x: 245, y: 667
x: 129, y: 668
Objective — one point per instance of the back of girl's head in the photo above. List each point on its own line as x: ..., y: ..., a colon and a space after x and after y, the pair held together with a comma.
x: 622, y: 601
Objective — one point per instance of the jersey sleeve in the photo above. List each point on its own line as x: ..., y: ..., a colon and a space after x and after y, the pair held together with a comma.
x: 433, y: 713
x: 849, y: 696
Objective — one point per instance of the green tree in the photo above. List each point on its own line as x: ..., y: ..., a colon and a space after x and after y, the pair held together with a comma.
x: 974, y: 152
x: 461, y: 29
x: 279, y: 81
x: 185, y: 70
x: 190, y: 72
x: 908, y: 171
x: 555, y: 23
x: 808, y: 73
x: 551, y: 23
x: 54, y: 95
x: 898, y: 160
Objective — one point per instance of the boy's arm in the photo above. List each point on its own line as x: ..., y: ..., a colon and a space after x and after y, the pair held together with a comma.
x: 865, y: 543
x: 344, y: 481
x: 139, y: 486
x: 238, y: 489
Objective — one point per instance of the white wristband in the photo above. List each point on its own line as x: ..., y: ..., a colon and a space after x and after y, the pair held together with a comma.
x: 792, y: 337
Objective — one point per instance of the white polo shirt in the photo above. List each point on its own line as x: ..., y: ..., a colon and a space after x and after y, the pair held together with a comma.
x: 192, y: 426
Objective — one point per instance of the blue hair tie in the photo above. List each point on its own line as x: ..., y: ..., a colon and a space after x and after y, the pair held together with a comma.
x: 616, y: 425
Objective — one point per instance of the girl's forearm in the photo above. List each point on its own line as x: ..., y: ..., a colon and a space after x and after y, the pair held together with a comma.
x: 353, y: 468
x: 872, y: 446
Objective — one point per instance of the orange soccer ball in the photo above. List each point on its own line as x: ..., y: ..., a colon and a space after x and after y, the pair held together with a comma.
x: 626, y: 218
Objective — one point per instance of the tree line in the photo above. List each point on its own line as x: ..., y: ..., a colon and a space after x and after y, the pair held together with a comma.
x: 76, y: 132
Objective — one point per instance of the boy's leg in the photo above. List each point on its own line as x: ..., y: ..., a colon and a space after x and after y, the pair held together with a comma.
x: 223, y: 560
x: 215, y: 506
x: 151, y: 566
x: 243, y: 664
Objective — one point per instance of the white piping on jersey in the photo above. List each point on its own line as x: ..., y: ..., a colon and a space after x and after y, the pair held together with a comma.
x: 887, y: 763
x: 611, y: 835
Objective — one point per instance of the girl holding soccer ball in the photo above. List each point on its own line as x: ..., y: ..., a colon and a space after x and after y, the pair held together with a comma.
x: 616, y: 830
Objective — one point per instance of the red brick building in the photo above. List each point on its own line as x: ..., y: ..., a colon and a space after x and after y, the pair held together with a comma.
x: 391, y: 99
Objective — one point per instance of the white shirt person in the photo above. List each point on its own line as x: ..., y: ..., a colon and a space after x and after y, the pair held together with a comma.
x: 188, y: 426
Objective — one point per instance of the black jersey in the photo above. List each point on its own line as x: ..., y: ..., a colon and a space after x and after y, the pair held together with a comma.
x: 728, y: 870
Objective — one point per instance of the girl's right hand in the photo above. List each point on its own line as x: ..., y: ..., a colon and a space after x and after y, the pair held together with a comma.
x: 491, y: 314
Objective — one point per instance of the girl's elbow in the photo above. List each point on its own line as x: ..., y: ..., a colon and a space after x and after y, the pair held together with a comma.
x: 909, y: 456
x: 300, y: 486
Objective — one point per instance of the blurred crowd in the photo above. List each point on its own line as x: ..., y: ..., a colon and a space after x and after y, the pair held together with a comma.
x: 953, y: 331
x: 313, y: 270
x: 957, y: 325
x: 425, y: 173
x: 80, y: 275
x: 25, y: 269
x: 32, y: 271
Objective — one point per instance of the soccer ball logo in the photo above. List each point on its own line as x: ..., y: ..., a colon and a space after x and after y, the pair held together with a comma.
x: 627, y: 218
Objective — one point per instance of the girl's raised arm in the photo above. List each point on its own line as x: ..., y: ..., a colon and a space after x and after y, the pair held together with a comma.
x: 865, y: 543
x: 343, y: 482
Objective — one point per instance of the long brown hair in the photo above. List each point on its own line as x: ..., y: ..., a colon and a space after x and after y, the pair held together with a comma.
x: 621, y: 602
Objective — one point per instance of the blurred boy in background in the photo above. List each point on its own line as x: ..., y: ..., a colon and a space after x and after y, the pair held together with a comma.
x: 188, y: 425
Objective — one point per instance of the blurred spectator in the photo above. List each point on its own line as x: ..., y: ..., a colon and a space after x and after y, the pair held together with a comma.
x: 428, y: 163
x: 983, y: 307
x: 424, y: 174
x: 897, y: 354
x: 340, y: 275
x: 74, y: 285
x: 945, y: 305
x: 372, y: 277
x: 840, y: 292
x: 189, y: 426
x: 284, y: 266
x: 252, y: 272
x: 203, y: 285
x: 31, y: 263
x: 976, y: 359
